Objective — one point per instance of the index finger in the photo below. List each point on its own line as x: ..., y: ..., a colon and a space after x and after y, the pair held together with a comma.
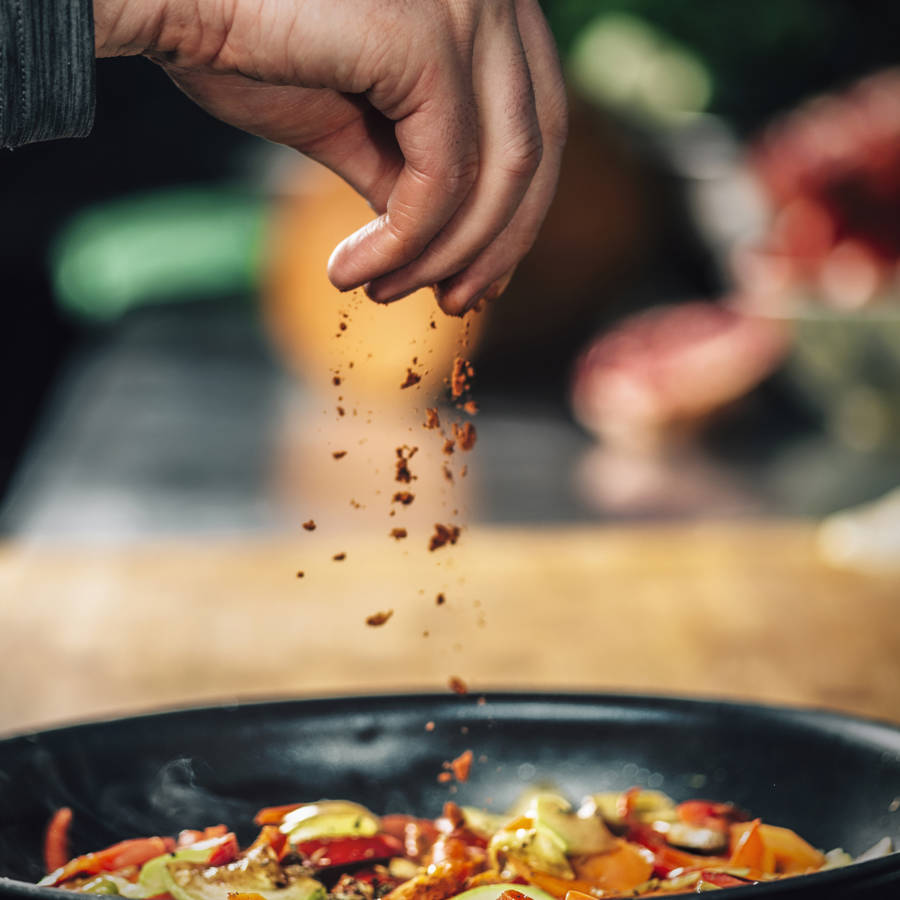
x: 439, y: 143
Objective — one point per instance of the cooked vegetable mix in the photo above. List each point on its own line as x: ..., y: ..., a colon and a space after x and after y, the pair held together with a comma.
x: 634, y: 843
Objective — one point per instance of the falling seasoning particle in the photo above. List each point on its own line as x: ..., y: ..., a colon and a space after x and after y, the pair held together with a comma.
x: 404, y: 455
x: 482, y: 700
x: 448, y: 474
x: 339, y: 557
x: 463, y: 471
x: 443, y: 535
x: 426, y: 633
x: 440, y: 599
x: 411, y: 379
x: 465, y: 435
x: 301, y: 573
x: 448, y: 446
x: 310, y: 525
x: 336, y: 380
x: 350, y: 364
x: 432, y: 419
x: 339, y: 454
x: 429, y: 726
x: 341, y: 411
x: 444, y: 777
x: 471, y: 407
x: 460, y: 377
x: 433, y: 324
x: 343, y: 326
x: 457, y: 685
x: 398, y: 533
x: 379, y: 618
x: 462, y: 765
x: 404, y: 497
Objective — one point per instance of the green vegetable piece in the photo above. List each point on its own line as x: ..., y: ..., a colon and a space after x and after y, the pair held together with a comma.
x: 575, y: 833
x: 329, y: 818
x: 532, y: 846
x: 153, y: 873
x: 482, y: 822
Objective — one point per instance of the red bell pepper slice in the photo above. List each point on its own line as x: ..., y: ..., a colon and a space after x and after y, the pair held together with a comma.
x: 190, y: 836
x: 56, y: 840
x: 705, y: 814
x: 270, y: 836
x: 273, y: 815
x: 330, y: 852
x: 134, y: 852
x: 666, y: 858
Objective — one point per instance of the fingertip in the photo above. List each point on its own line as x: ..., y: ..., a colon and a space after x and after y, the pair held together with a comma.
x: 337, y: 270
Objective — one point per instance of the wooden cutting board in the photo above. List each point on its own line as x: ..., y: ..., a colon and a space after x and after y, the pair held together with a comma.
x: 729, y: 610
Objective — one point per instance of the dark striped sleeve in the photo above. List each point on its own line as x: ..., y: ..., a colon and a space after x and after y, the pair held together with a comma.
x: 46, y: 70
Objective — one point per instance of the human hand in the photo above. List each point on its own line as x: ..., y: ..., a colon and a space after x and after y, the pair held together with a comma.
x: 448, y: 116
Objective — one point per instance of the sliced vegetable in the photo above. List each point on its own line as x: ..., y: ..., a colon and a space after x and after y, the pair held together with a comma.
x: 212, y: 852
x: 535, y: 849
x: 622, y: 868
x: 322, y: 853
x: 630, y: 807
x: 133, y: 852
x: 56, y: 840
x: 328, y: 818
x: 274, y: 815
x: 581, y: 832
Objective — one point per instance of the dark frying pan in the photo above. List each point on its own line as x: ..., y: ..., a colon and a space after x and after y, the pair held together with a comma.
x: 833, y: 778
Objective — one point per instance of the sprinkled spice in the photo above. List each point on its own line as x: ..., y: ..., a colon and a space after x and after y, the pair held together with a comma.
x: 429, y: 726
x: 310, y: 525
x: 339, y: 557
x: 398, y: 533
x: 457, y: 685
x: 341, y: 411
x: 404, y: 455
x: 379, y: 618
x: 411, y: 379
x: 448, y: 446
x: 404, y: 497
x: 471, y: 407
x: 443, y: 535
x: 465, y: 435
x: 462, y: 765
x: 444, y: 777
x: 461, y: 377
x: 448, y: 474
x: 432, y: 419
x: 301, y: 573
x: 343, y: 326
x: 440, y: 599
x: 339, y: 454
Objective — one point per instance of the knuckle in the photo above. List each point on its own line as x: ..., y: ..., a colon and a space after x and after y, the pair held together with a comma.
x: 459, y: 175
x: 522, y: 158
x: 402, y: 230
